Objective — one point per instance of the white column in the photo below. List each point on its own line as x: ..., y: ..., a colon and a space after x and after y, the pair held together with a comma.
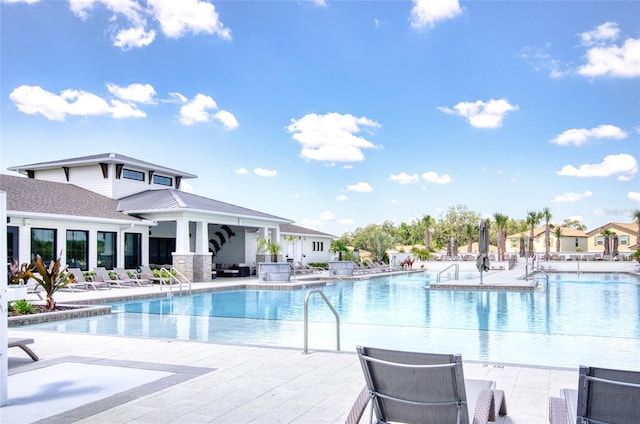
x: 202, y: 234
x: 182, y: 236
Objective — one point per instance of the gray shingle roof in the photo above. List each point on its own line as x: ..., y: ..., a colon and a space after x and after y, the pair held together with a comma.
x: 105, y: 158
x: 38, y: 196
x: 296, y: 229
x: 170, y: 199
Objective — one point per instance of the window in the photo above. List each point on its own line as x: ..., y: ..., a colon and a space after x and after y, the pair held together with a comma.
x: 132, y: 250
x: 133, y: 175
x: 106, y: 249
x: 599, y: 240
x: 160, y: 250
x: 318, y: 246
x: 624, y: 239
x: 577, y: 244
x: 43, y: 243
x: 159, y: 179
x: 78, y: 249
x: 514, y: 243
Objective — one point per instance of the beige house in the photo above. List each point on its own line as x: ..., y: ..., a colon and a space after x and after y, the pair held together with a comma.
x: 627, y: 237
x: 572, y: 240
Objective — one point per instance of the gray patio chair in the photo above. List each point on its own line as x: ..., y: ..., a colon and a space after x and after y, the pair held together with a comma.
x: 411, y: 387
x: 81, y: 281
x: 123, y: 275
x: 604, y: 396
x: 103, y: 276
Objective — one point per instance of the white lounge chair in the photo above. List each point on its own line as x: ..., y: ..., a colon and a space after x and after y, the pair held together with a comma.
x: 412, y: 387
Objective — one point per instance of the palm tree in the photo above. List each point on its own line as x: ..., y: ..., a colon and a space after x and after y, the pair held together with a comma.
x: 533, y: 219
x: 558, y: 233
x: 339, y: 246
x: 428, y: 222
x: 501, y: 234
x: 546, y: 214
x: 471, y: 233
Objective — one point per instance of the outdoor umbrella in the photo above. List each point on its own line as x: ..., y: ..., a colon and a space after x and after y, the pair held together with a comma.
x: 615, y: 246
x: 483, y: 248
x: 454, y: 246
x: 607, y: 246
x: 522, y: 247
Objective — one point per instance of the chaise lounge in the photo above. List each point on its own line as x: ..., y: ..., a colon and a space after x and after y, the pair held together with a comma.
x: 22, y: 344
x: 411, y: 387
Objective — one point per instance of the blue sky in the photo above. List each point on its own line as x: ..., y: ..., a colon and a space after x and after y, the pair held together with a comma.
x: 338, y: 114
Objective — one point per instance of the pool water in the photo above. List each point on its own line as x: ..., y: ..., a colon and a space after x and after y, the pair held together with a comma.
x: 591, y: 319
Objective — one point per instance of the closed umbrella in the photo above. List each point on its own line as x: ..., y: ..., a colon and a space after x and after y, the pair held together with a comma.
x: 607, y: 246
x: 454, y: 247
x: 615, y: 246
x: 483, y: 248
x: 522, y: 249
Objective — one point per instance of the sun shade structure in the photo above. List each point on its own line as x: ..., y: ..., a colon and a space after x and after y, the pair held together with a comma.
x: 483, y: 249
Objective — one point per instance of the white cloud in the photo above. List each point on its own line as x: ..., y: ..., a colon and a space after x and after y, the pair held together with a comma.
x: 331, y: 137
x: 425, y: 13
x: 228, y: 120
x: 634, y: 195
x: 482, y: 114
x: 580, y: 136
x: 572, y: 196
x: 242, y: 171
x: 614, y: 61
x: 139, y: 93
x: 360, y: 187
x: 404, y: 178
x: 433, y: 177
x: 327, y: 216
x: 606, y: 32
x: 541, y: 60
x: 197, y: 111
x: 311, y: 223
x: 186, y: 187
x: 20, y: 1
x: 321, y: 3
x: 341, y: 198
x: 265, y: 172
x: 34, y: 99
x: 346, y: 221
x: 623, y: 165
x: 175, y: 19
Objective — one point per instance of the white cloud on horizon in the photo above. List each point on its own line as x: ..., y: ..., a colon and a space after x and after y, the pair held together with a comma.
x: 196, y: 111
x: 341, y: 198
x: 404, y: 178
x: 623, y: 165
x: 433, y: 177
x: 634, y: 195
x: 327, y: 216
x: 426, y: 13
x: 580, y: 136
x: 346, y: 221
x: 242, y: 171
x: 482, y: 114
x: 174, y: 18
x: 55, y: 107
x: 265, y: 172
x: 360, y: 187
x: 331, y: 137
x: 572, y: 196
x: 138, y: 93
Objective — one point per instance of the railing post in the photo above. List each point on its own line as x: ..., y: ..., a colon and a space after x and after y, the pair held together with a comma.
x: 306, y: 319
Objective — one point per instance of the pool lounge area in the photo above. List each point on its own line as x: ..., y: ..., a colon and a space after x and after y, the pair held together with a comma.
x: 252, y: 383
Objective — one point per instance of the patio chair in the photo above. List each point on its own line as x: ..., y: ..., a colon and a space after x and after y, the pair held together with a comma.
x: 123, y: 275
x: 103, y: 276
x: 604, y: 396
x: 22, y: 344
x: 147, y: 273
x: 81, y: 280
x: 411, y: 387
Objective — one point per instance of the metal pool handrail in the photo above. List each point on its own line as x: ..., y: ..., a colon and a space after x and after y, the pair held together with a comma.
x: 306, y: 318
x: 456, y: 275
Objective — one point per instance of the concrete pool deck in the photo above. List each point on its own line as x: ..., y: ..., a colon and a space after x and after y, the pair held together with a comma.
x: 232, y: 384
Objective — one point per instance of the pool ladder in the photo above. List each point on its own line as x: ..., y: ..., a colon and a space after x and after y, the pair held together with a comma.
x: 456, y: 272
x: 306, y: 318
x: 172, y: 277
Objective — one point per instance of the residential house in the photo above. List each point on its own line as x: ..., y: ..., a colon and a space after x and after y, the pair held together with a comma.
x: 116, y: 211
x: 572, y: 240
x: 627, y: 234
x: 305, y: 245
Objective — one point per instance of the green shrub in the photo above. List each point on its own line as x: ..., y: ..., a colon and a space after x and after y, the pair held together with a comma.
x: 324, y: 265
x: 22, y: 307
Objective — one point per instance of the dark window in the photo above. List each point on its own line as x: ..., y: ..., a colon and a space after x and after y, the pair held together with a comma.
x: 160, y: 250
x: 78, y: 249
x: 159, y: 179
x: 12, y: 244
x: 318, y: 246
x: 577, y: 244
x: 133, y: 175
x: 43, y: 243
x: 106, y: 249
x: 132, y: 250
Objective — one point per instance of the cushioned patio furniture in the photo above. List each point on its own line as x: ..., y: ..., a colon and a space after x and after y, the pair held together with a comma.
x: 22, y: 344
x: 412, y: 387
x: 603, y: 396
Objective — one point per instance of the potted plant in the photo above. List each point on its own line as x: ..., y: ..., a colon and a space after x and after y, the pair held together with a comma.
x: 51, y: 278
x: 270, y: 247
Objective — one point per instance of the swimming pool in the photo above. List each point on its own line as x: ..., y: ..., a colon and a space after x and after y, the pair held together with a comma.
x: 577, y: 319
